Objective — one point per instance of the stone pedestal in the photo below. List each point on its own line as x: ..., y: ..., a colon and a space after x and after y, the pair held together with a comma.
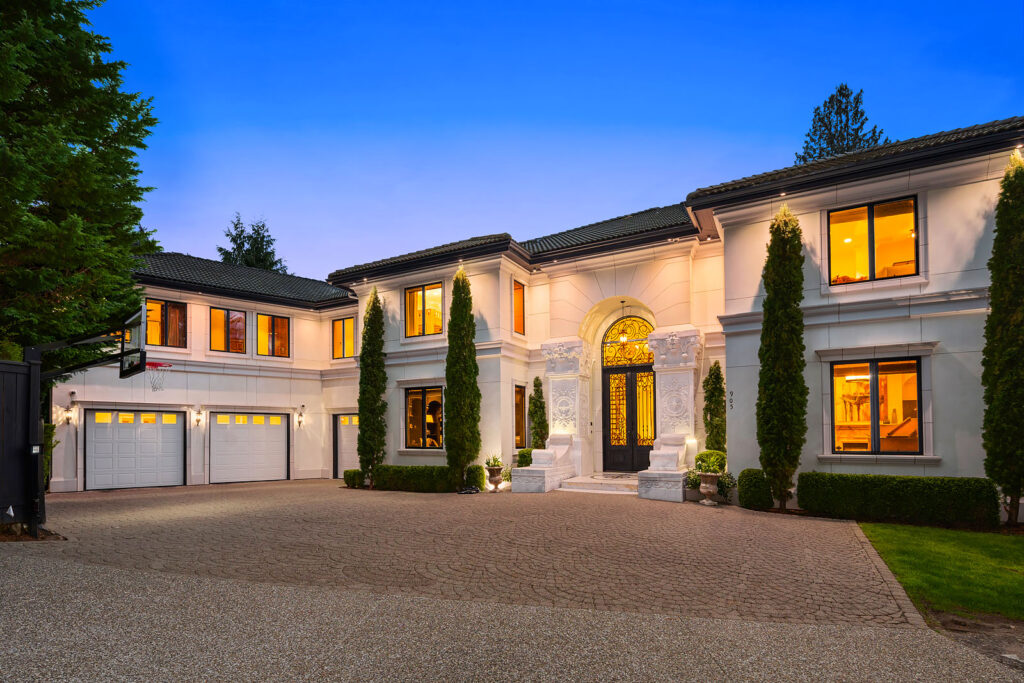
x: 677, y: 352
x: 568, y: 374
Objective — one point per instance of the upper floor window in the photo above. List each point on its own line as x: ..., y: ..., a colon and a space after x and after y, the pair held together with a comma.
x: 873, y: 242
x: 875, y: 407
x: 272, y: 335
x: 518, y: 307
x: 165, y: 323
x: 227, y: 330
x: 424, y: 418
x: 423, y: 310
x: 344, y: 338
x: 520, y: 415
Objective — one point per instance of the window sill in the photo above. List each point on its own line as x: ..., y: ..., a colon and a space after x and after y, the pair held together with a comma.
x: 424, y: 339
x: 429, y: 452
x: 157, y: 348
x: 868, y: 459
x: 872, y: 285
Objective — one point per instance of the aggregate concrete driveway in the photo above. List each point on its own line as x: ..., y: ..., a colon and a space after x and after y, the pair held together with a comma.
x: 308, y: 580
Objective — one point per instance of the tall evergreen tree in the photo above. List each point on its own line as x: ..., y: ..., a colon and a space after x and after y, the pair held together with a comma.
x: 1003, y: 373
x: 252, y: 246
x: 462, y: 393
x: 69, y: 180
x: 839, y: 125
x: 538, y: 415
x: 781, y: 389
x: 714, y: 409
x: 373, y: 382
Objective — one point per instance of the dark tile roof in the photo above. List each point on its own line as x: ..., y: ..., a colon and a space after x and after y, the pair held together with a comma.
x: 924, y: 148
x: 445, y: 252
x: 611, y: 229
x: 174, y: 269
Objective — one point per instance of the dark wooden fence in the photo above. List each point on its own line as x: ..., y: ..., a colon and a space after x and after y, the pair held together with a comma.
x: 16, y: 491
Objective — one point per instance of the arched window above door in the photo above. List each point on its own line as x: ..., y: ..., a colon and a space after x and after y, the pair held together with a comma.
x: 625, y: 343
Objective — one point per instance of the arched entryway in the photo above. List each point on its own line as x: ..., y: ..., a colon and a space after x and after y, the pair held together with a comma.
x: 627, y: 395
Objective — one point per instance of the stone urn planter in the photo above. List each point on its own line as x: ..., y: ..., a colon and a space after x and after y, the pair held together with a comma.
x: 708, y: 486
x: 494, y: 477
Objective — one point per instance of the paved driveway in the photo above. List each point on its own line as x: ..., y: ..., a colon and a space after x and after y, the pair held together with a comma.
x: 605, y: 552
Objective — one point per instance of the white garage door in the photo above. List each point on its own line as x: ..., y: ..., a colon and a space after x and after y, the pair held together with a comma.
x: 347, y: 457
x: 248, y: 447
x: 126, y: 449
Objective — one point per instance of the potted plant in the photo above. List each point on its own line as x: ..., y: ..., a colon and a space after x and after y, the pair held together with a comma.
x: 494, y: 467
x: 709, y: 466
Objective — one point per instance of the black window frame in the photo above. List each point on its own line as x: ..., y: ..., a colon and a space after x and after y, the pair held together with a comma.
x: 422, y: 391
x: 423, y: 314
x: 872, y: 364
x: 227, y: 330
x: 163, y: 323
x: 515, y: 418
x: 273, y: 336
x: 334, y: 337
x: 523, y: 286
x: 870, y: 206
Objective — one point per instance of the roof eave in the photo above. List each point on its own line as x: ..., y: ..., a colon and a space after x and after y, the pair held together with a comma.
x: 157, y: 281
x: 625, y: 242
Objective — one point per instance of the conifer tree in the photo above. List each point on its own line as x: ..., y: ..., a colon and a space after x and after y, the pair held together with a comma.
x: 714, y: 409
x: 781, y: 389
x: 252, y: 246
x: 838, y: 126
x: 538, y: 416
x: 1003, y: 373
x: 462, y: 392
x: 373, y: 382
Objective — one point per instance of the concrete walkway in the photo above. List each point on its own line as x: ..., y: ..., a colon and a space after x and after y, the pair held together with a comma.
x: 305, y: 580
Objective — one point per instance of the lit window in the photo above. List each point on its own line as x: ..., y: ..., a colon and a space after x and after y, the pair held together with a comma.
x: 271, y: 335
x: 423, y: 312
x: 227, y: 330
x: 424, y: 418
x: 520, y: 411
x: 518, y: 307
x: 165, y: 323
x: 875, y: 407
x: 344, y: 338
x: 873, y: 242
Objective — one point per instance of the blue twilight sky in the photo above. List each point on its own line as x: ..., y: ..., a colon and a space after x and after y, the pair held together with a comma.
x: 360, y: 130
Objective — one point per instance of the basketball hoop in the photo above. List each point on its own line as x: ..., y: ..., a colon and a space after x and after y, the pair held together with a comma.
x: 156, y: 373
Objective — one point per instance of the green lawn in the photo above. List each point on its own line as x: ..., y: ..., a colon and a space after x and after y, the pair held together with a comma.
x: 954, y: 571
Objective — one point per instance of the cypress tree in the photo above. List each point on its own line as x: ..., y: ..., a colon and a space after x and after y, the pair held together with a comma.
x: 1003, y: 373
x: 714, y: 409
x: 462, y: 395
x: 781, y: 390
x: 538, y: 416
x: 373, y: 382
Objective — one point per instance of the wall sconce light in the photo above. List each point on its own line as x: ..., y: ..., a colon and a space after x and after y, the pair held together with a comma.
x: 197, y: 415
x: 301, y: 417
x: 69, y: 412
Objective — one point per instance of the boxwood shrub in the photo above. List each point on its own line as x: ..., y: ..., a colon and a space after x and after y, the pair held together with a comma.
x: 936, y: 501
x: 753, y: 490
x: 710, y: 461
x: 418, y: 478
x: 524, y: 458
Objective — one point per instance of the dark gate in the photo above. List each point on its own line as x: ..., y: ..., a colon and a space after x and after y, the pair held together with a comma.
x: 628, y: 406
x: 15, y: 462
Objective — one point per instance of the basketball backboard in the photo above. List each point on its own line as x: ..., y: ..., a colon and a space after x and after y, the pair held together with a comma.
x: 133, y: 356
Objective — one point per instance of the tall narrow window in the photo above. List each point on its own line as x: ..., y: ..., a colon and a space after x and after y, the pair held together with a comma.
x: 424, y: 418
x: 165, y: 323
x: 344, y: 338
x: 423, y: 310
x: 520, y: 415
x: 518, y: 307
x: 227, y: 330
x: 272, y: 335
x: 873, y: 242
x: 875, y: 407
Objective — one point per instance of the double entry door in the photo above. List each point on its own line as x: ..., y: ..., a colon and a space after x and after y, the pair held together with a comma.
x: 628, y: 408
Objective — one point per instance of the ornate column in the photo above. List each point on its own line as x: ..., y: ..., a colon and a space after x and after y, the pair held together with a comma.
x: 568, y: 374
x: 677, y: 351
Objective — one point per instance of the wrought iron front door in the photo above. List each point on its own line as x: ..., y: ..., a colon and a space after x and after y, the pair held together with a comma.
x: 628, y: 401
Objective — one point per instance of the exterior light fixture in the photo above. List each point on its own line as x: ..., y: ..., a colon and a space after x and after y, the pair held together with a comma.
x: 301, y: 417
x: 69, y: 412
x: 197, y: 415
x: 1020, y: 144
x: 782, y: 194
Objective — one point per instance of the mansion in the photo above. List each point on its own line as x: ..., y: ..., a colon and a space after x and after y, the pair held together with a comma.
x: 621, y: 320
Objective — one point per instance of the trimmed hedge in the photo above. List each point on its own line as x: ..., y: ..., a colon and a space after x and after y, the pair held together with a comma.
x: 417, y: 478
x: 524, y: 458
x: 753, y: 490
x: 935, y: 501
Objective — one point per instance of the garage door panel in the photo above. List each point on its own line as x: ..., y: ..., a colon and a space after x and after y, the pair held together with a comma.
x: 122, y: 451
x: 244, y: 447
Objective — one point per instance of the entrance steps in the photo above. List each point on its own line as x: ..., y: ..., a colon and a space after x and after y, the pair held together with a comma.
x: 603, y: 482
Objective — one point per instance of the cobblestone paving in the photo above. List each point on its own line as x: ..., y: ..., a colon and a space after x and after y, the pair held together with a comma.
x: 560, y: 549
